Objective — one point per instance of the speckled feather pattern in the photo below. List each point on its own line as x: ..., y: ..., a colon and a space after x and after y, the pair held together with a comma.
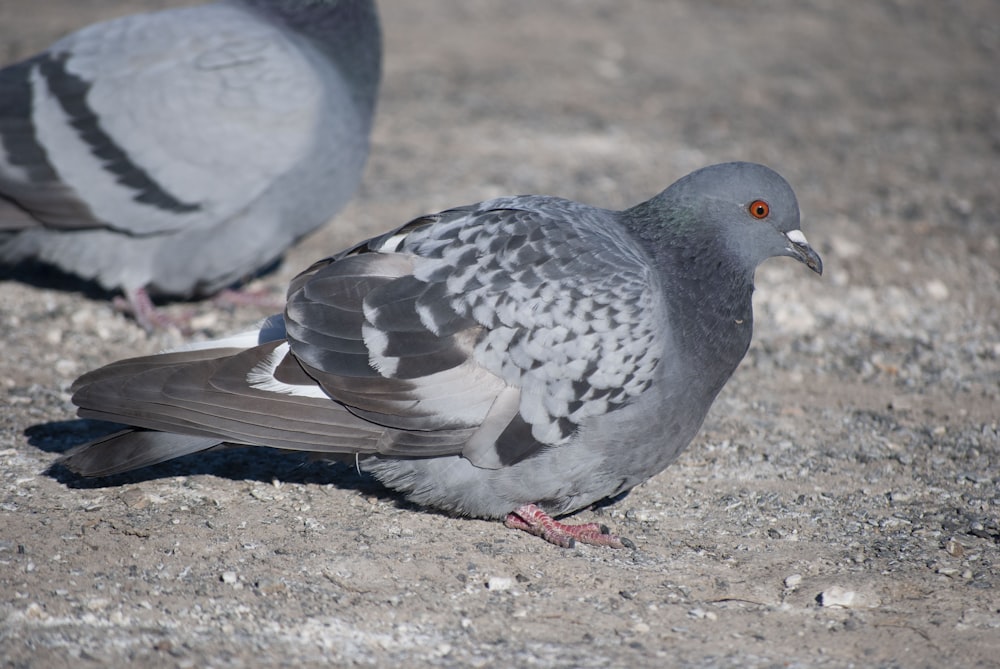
x: 562, y: 312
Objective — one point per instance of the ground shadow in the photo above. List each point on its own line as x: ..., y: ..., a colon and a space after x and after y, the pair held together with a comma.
x: 237, y: 463
x: 234, y: 462
x: 49, y: 277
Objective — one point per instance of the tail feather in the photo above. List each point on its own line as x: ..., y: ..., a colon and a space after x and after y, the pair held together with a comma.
x: 188, y: 401
x: 131, y: 449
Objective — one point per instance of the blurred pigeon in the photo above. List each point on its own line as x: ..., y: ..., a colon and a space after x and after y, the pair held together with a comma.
x: 175, y: 153
x: 521, y: 358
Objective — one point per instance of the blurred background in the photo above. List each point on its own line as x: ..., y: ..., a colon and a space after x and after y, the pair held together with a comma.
x: 859, y: 438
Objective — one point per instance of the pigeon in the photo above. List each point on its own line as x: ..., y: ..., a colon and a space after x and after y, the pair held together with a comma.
x: 518, y: 359
x: 176, y: 153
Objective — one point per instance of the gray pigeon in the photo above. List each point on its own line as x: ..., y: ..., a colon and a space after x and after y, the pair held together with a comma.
x: 520, y: 358
x: 175, y: 153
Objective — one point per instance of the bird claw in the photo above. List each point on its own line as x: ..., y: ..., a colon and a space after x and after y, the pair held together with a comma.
x: 529, y: 518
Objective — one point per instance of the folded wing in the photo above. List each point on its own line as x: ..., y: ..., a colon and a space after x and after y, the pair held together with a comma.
x: 492, y: 331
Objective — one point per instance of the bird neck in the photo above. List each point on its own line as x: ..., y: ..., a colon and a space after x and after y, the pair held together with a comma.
x: 707, y: 290
x: 346, y: 32
x: 713, y: 304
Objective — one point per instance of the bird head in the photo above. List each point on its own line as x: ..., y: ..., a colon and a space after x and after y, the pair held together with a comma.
x: 748, y: 209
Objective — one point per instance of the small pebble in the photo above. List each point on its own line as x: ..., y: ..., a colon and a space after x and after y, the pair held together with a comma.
x: 35, y: 611
x: 81, y: 318
x: 204, y: 321
x: 702, y: 614
x: 65, y: 367
x: 267, y: 586
x: 900, y: 497
x: 954, y: 548
x: 229, y: 577
x: 936, y: 290
x: 837, y: 596
x: 499, y: 583
x: 135, y: 499
x: 98, y: 603
x: 792, y: 581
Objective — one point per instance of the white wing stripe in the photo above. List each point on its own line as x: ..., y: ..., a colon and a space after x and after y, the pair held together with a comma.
x: 261, y: 377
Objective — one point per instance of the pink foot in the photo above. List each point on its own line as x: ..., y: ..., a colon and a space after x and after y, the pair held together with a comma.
x: 533, y: 520
x: 139, y: 305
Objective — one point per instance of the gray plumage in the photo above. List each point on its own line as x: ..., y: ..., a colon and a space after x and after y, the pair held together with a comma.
x: 521, y: 351
x: 177, y: 152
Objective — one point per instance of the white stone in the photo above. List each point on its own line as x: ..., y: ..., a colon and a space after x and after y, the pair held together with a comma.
x: 836, y: 596
x: 499, y: 583
x: 936, y: 290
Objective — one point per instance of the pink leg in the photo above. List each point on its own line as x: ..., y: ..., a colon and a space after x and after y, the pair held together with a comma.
x: 139, y: 305
x: 533, y: 520
x: 261, y: 298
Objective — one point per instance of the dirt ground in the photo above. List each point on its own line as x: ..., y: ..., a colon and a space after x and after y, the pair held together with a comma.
x: 840, y: 508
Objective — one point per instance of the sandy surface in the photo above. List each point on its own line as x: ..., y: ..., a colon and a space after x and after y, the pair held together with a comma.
x: 841, y: 505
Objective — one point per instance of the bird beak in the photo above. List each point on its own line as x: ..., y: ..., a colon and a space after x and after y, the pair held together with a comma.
x: 799, y: 248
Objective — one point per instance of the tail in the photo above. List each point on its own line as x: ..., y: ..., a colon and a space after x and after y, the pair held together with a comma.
x: 132, y: 449
x: 242, y: 390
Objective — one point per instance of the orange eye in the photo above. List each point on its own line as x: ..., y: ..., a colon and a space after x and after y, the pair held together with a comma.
x: 759, y: 209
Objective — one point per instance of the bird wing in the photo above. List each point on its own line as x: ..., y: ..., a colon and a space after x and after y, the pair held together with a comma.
x: 518, y: 319
x: 109, y: 127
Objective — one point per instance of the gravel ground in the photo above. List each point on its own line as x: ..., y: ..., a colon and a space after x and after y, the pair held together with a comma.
x: 841, y: 507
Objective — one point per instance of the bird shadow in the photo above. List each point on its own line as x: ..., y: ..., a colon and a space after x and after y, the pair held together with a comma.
x: 236, y: 463
x: 49, y: 277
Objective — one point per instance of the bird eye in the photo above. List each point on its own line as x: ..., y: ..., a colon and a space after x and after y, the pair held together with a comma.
x: 759, y: 209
